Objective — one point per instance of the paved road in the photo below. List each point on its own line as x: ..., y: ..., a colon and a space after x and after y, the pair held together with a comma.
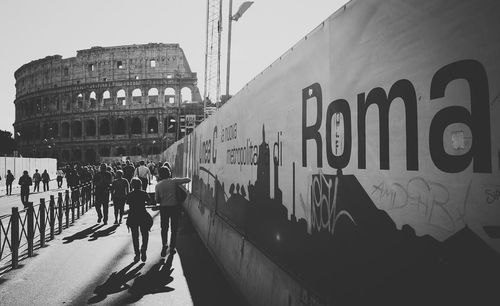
x: 14, y: 200
x: 92, y: 264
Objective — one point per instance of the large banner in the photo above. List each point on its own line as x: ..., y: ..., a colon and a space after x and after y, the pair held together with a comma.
x: 369, y: 151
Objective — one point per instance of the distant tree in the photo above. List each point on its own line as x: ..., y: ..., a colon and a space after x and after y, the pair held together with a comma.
x: 7, y: 143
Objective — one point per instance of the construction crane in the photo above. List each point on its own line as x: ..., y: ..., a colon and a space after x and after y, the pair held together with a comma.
x: 212, y: 55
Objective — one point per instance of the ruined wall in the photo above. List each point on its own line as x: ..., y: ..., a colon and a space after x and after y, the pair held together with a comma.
x: 362, y: 167
x: 125, y: 100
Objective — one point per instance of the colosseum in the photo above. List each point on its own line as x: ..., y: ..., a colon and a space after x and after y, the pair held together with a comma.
x: 129, y: 100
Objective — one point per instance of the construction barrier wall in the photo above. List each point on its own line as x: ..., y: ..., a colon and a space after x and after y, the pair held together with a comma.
x: 17, y: 165
x: 362, y: 167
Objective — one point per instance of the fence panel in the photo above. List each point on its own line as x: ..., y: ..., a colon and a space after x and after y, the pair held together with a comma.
x: 24, y: 231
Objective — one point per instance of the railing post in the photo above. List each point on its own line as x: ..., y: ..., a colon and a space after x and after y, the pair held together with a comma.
x: 82, y: 198
x: 87, y: 197
x: 72, y: 207
x: 52, y: 217
x: 66, y: 207
x: 14, y: 236
x: 78, y: 200
x: 31, y: 229
x: 59, y: 212
x: 41, y: 214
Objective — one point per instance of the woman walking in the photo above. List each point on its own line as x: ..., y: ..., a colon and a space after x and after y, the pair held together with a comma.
x: 119, y: 192
x: 170, y: 208
x: 139, y: 218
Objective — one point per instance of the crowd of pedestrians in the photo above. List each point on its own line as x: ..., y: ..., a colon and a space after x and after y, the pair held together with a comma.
x: 123, y: 183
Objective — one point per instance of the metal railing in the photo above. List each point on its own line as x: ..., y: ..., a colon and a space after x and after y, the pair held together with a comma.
x: 23, y: 231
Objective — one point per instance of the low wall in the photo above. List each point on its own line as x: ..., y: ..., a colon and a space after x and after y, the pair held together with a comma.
x: 18, y: 164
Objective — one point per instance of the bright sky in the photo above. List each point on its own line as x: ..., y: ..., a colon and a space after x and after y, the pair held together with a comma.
x: 33, y: 29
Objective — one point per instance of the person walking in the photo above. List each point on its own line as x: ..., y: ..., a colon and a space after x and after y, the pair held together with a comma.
x: 25, y: 182
x: 60, y: 175
x: 170, y: 208
x: 45, y: 180
x: 143, y: 173
x: 102, y: 181
x: 9, y: 178
x: 139, y: 218
x: 73, y: 182
x: 36, y: 178
x: 86, y: 180
x: 128, y: 171
x: 119, y: 191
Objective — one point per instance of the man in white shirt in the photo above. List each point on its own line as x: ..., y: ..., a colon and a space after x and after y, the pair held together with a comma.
x: 143, y: 173
x: 170, y: 208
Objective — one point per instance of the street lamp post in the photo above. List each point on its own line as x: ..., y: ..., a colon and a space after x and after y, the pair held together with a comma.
x: 243, y: 7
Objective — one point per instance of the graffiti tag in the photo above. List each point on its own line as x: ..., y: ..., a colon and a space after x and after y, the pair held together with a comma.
x: 492, y: 195
x: 324, y: 209
x: 426, y: 196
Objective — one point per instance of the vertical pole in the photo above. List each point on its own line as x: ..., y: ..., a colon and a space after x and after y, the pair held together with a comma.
x: 41, y: 214
x: 52, y: 218
x: 205, y: 94
x: 85, y: 198
x: 60, y: 211
x: 31, y: 230
x: 179, y: 98
x: 77, y: 204
x: 14, y: 236
x: 66, y: 207
x: 228, y: 71
x: 91, y: 195
x: 72, y: 205
x: 217, y: 98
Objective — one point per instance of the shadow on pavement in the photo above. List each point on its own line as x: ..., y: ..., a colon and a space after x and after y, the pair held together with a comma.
x: 154, y: 281
x: 115, y: 283
x: 82, y: 234
x: 204, y: 278
x: 106, y: 232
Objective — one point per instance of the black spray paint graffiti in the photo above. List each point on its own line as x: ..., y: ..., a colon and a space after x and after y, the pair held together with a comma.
x: 429, y: 198
x: 324, y: 210
x: 492, y: 193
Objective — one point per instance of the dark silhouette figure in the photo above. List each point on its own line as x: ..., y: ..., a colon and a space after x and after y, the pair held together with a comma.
x: 170, y: 207
x: 102, y: 181
x: 60, y: 176
x: 128, y: 171
x: 25, y: 183
x: 119, y: 190
x: 116, y: 282
x: 45, y: 180
x: 139, y: 218
x: 154, y: 281
x: 103, y: 233
x: 82, y: 234
x: 36, y: 179
x: 9, y: 178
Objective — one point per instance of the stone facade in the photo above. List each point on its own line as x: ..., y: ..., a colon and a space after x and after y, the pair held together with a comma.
x: 113, y: 101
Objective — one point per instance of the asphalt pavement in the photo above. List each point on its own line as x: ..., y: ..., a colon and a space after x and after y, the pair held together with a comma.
x: 14, y: 200
x: 91, y: 263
